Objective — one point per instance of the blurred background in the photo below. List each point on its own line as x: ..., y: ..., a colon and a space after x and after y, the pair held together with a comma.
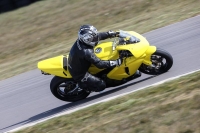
x: 32, y: 30
x: 8, y: 5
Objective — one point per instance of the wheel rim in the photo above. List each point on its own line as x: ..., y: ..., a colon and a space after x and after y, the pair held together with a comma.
x: 65, y: 89
x: 159, y: 63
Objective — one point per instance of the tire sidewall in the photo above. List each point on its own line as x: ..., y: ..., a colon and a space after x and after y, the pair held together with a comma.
x: 164, y: 69
x: 56, y: 81
x: 168, y: 58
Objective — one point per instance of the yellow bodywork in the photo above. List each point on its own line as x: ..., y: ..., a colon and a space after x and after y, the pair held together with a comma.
x: 54, y: 66
x: 141, y: 51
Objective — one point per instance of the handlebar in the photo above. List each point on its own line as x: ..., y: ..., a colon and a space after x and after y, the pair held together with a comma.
x: 123, y: 39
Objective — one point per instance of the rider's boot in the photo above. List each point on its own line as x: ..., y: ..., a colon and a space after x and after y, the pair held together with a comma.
x: 137, y: 74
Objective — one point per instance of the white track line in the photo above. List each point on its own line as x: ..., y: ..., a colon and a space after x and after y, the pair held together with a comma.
x: 105, y: 100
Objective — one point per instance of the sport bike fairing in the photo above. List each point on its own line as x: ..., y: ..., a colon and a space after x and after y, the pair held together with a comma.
x: 55, y: 66
x: 141, y: 52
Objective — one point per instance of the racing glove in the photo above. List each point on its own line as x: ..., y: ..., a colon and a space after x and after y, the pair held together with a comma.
x: 113, y: 34
x: 117, y: 62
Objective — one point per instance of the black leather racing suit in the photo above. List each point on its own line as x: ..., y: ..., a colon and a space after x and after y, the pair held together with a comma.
x: 80, y: 59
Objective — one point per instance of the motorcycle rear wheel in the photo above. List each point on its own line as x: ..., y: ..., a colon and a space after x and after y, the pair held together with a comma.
x: 162, y: 61
x: 61, y: 87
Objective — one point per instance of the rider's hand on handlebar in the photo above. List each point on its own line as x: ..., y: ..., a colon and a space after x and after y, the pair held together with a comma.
x: 117, y: 62
x: 113, y: 33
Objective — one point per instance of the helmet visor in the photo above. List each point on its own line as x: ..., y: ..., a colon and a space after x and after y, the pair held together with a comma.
x: 90, y: 39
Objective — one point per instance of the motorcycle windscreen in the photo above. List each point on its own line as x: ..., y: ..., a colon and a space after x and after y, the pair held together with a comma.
x: 137, y: 49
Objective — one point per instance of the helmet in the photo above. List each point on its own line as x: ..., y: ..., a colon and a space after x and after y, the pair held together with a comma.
x: 88, y: 34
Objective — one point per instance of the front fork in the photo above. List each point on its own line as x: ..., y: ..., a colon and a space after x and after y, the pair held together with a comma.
x: 150, y: 51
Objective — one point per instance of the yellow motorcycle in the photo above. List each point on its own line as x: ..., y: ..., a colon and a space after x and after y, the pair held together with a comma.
x: 133, y: 48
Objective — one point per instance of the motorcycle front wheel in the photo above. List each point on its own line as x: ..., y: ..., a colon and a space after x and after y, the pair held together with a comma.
x: 63, y: 89
x: 161, y: 60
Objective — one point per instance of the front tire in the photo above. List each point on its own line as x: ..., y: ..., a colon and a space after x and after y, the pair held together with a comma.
x: 60, y: 88
x: 161, y: 60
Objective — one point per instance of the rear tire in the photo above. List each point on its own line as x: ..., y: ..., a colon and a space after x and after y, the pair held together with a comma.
x: 162, y: 61
x: 61, y: 92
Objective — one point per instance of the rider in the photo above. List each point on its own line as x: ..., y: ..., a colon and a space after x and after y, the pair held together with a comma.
x: 82, y: 56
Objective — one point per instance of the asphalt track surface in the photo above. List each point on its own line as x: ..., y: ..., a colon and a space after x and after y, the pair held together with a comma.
x: 26, y: 98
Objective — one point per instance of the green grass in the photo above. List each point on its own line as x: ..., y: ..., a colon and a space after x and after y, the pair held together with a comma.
x: 49, y: 27
x: 172, y: 107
